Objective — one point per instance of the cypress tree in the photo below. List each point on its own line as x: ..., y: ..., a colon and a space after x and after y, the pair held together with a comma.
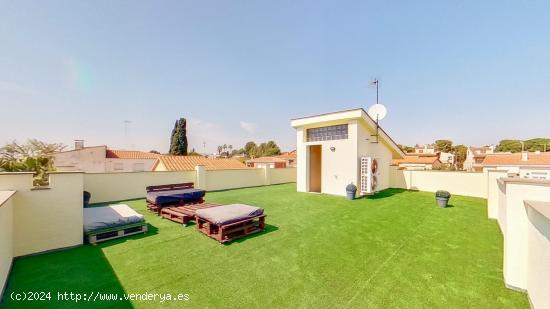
x: 178, y: 140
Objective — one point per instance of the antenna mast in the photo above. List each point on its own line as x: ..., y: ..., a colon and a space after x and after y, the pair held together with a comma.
x: 376, y: 83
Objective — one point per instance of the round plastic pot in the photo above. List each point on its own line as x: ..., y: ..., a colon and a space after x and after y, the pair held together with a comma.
x: 442, y: 201
x: 350, y: 195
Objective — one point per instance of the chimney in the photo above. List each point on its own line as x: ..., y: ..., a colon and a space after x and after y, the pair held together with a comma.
x: 78, y: 144
x: 524, y: 156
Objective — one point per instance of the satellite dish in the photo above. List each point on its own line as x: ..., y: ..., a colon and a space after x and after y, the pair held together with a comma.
x: 377, y: 112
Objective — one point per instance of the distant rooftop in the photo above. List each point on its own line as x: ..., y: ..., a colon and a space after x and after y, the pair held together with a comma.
x: 533, y: 158
x: 130, y: 154
x: 417, y: 159
x: 188, y: 163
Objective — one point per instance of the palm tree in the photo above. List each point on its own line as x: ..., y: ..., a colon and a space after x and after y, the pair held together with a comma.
x: 220, y: 148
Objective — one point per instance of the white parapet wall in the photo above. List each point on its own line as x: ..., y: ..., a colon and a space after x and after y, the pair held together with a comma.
x: 524, y: 219
x: 282, y: 175
x: 6, y: 236
x: 108, y: 187
x: 230, y: 179
x: 493, y: 191
x: 538, y: 253
x: 47, y: 218
x: 460, y: 183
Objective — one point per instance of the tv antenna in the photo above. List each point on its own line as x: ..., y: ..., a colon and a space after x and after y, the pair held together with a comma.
x: 377, y: 111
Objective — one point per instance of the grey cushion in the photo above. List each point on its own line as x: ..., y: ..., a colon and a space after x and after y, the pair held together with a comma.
x: 97, y: 218
x: 169, y: 197
x: 227, y: 214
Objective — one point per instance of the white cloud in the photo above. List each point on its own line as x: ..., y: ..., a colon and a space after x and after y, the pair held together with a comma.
x: 248, y: 127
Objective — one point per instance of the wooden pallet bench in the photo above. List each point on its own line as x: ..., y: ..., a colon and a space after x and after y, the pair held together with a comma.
x: 232, y: 231
x: 152, y: 206
x: 101, y: 235
x: 158, y: 209
x: 184, y: 213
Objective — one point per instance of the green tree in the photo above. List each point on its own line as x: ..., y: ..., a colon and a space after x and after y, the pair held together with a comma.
x: 443, y: 145
x: 514, y: 145
x: 178, y: 140
x: 194, y: 153
x: 460, y: 152
x: 509, y: 145
x: 271, y: 149
x: 34, y: 156
x: 406, y: 148
x: 33, y: 148
x: 537, y: 144
x: 250, y: 149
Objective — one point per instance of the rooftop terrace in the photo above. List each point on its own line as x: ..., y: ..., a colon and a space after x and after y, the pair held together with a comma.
x: 396, y: 249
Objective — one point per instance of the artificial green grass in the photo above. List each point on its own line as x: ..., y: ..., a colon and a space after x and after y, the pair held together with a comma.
x: 393, y: 250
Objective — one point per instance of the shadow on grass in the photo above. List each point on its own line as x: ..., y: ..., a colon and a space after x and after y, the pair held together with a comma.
x: 268, y: 229
x: 83, y: 271
x: 384, y: 194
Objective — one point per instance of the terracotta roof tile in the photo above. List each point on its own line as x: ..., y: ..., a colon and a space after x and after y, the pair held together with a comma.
x: 288, y: 155
x: 188, y: 163
x: 129, y: 154
x: 533, y: 158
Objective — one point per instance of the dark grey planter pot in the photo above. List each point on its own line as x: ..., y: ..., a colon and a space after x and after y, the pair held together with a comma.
x: 351, y: 189
x: 350, y: 195
x: 442, y: 201
x: 86, y: 199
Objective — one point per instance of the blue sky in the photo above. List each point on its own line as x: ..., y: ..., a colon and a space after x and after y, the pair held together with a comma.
x: 472, y: 71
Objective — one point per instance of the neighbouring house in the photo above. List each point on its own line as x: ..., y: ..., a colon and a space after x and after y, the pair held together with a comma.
x: 447, y: 158
x: 535, y: 165
x: 270, y: 162
x: 424, y: 149
x: 290, y: 158
x: 430, y: 149
x: 330, y: 148
x: 286, y: 159
x: 188, y: 163
x: 418, y: 162
x: 101, y: 159
x: 475, y: 156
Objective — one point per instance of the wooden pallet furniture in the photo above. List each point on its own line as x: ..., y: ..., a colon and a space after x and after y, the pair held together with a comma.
x: 228, y: 228
x: 184, y: 213
x: 232, y: 231
x: 152, y: 206
x: 97, y: 236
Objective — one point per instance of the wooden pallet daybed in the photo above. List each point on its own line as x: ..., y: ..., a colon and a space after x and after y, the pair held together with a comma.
x: 185, y: 213
x: 98, y: 236
x: 229, y: 222
x: 110, y: 222
x: 170, y: 195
